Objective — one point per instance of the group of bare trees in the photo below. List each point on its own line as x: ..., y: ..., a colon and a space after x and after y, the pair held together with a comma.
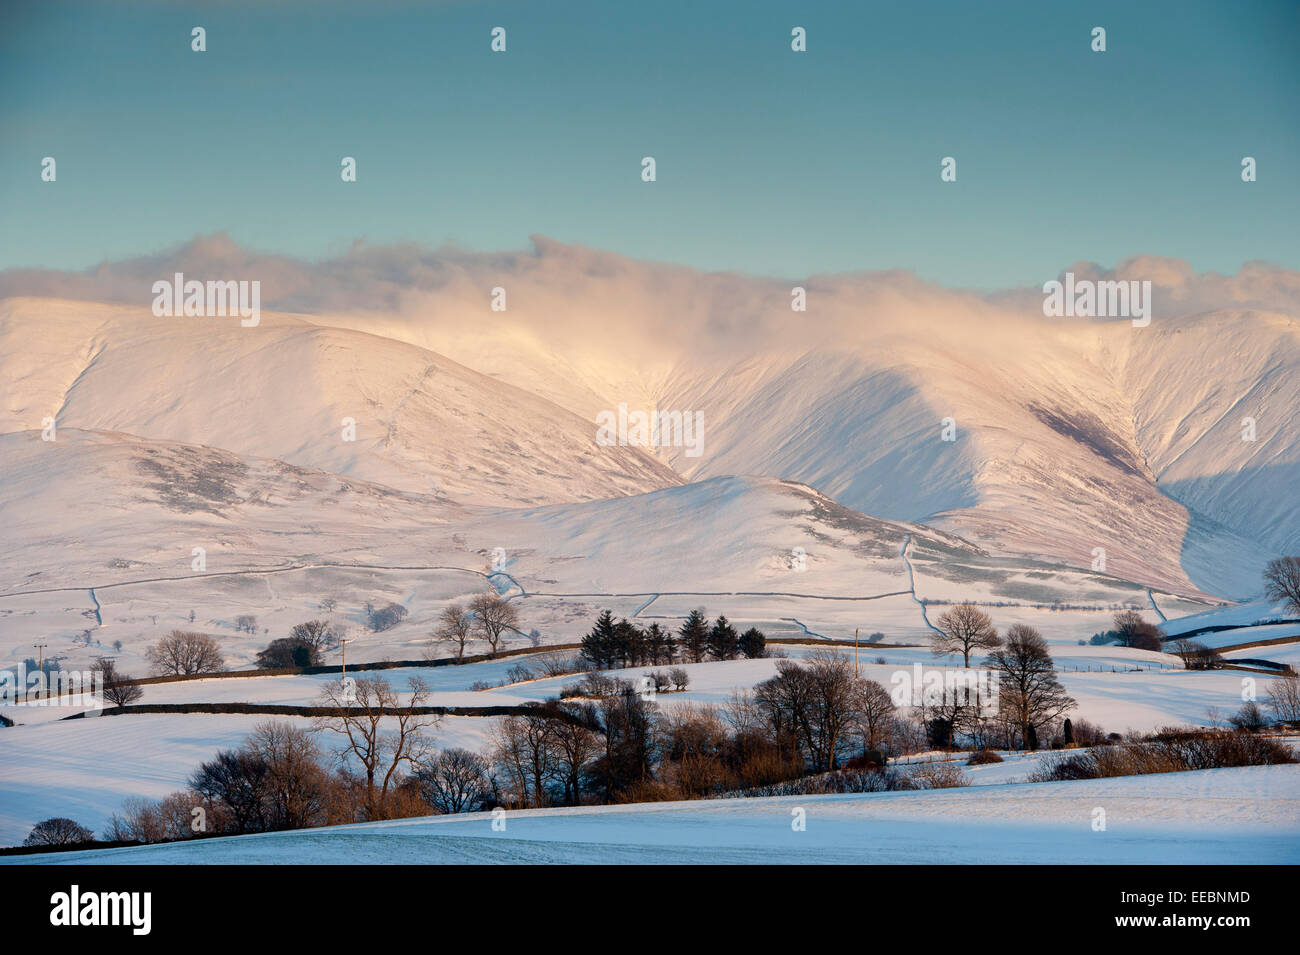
x: 278, y: 778
x: 283, y: 778
x: 385, y: 617
x: 811, y: 709
x: 1030, y: 697
x: 619, y: 746
x: 488, y: 617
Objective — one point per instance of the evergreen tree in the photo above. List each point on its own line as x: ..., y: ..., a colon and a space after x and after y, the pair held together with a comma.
x: 724, y: 642
x: 629, y: 643
x: 694, y: 636
x: 753, y: 643
x: 600, y: 647
x: 659, y: 644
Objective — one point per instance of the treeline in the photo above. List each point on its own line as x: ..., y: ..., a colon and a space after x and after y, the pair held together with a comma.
x: 622, y: 747
x: 613, y: 644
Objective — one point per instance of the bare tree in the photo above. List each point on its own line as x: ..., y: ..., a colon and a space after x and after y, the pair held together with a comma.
x: 58, y: 831
x: 874, y: 710
x: 119, y: 690
x: 964, y: 628
x: 1030, y: 696
x: 317, y: 634
x: 183, y: 652
x: 382, y: 734
x: 493, y: 617
x: 576, y: 745
x: 1282, y: 581
x: 235, y: 780
x: 456, y: 780
x: 456, y: 627
x: 246, y: 622
x: 1284, y: 697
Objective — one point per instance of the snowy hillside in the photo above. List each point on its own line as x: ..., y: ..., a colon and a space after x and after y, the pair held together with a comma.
x: 1222, y: 815
x: 288, y: 389
x: 103, y: 528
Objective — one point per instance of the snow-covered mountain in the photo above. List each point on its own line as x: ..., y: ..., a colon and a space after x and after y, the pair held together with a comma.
x: 1072, y: 438
x: 1072, y: 435
x: 291, y: 390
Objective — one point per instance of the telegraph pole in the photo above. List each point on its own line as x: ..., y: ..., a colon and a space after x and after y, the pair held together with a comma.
x: 40, y: 666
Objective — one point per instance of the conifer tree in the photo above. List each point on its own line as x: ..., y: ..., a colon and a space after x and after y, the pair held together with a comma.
x: 694, y: 636
x: 724, y: 642
x: 600, y: 647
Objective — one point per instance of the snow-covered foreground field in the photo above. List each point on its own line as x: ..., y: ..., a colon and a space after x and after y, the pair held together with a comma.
x: 1244, y: 816
x: 85, y: 769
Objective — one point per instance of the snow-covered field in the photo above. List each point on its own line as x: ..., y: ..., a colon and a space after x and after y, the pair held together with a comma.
x: 84, y: 768
x: 1245, y: 816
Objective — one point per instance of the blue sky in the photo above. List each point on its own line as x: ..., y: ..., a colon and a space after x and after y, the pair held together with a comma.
x: 769, y: 162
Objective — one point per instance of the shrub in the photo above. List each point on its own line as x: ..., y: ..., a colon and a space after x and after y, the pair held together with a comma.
x: 1249, y: 718
x: 596, y: 686
x: 839, y: 781
x: 983, y: 757
x: 1168, y: 751
x: 554, y: 664
x: 518, y: 674
x: 871, y: 759
x: 938, y: 775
